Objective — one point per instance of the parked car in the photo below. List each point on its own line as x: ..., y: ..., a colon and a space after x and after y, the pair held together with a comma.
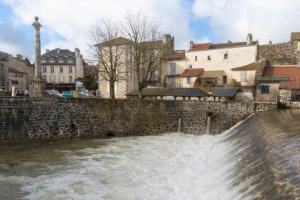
x: 67, y: 94
x: 20, y: 92
x: 27, y: 92
x: 54, y: 93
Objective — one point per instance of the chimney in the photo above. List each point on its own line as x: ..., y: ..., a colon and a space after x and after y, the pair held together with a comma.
x: 270, y: 43
x: 249, y: 39
x: 58, y: 51
x: 191, y: 44
x: 79, y: 64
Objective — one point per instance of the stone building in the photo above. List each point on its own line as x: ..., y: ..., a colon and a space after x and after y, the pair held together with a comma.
x: 217, y: 61
x: 279, y: 82
x: 61, y: 68
x: 287, y: 53
x: 21, y: 72
x: 16, y: 71
x: 127, y: 82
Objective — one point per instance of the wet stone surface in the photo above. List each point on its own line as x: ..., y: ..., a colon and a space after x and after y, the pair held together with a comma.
x: 271, y: 155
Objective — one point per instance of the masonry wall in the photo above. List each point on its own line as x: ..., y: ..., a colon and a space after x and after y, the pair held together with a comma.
x: 280, y: 54
x: 34, y: 119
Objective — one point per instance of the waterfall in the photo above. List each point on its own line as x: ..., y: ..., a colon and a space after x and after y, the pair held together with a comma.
x: 179, y: 125
x: 208, y: 125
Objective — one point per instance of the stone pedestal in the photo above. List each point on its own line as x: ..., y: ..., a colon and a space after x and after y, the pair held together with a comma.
x: 38, y: 89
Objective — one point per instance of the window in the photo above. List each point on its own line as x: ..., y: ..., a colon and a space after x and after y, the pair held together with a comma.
x: 52, y: 78
x: 70, y: 60
x: 173, y: 69
x: 70, y: 79
x: 224, y: 78
x: 70, y: 70
x: 189, y: 80
x: 44, y: 69
x: 226, y: 56
x: 208, y: 57
x: 52, y: 69
x: 45, y: 78
x: 44, y: 60
x: 196, y: 58
x: 51, y: 60
x: 61, y: 69
x: 14, y: 82
x: 60, y: 59
x: 265, y: 89
x: 61, y: 79
x: 243, y: 76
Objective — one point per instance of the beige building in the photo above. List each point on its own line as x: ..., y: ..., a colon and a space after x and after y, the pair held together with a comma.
x: 61, y: 68
x: 127, y: 83
x: 17, y: 78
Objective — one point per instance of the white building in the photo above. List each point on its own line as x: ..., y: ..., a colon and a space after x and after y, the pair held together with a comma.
x: 61, y: 68
x: 214, y: 59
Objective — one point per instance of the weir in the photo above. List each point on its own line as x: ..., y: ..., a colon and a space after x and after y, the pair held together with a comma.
x: 255, y: 159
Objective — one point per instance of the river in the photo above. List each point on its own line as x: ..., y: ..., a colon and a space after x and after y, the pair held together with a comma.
x: 234, y: 165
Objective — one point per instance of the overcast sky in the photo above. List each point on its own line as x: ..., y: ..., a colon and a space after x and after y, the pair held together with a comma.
x: 66, y: 23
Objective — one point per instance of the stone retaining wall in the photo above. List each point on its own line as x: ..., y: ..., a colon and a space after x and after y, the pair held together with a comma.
x: 38, y: 119
x: 280, y: 54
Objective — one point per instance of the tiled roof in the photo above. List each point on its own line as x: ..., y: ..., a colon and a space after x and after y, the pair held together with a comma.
x: 199, y: 47
x: 3, y: 55
x: 208, y: 46
x: 213, y: 74
x: 224, y: 92
x: 193, y: 72
x: 177, y: 92
x: 59, y: 57
x: 175, y: 56
x: 251, y: 66
x: 59, y: 52
x: 16, y: 70
x: 293, y: 72
x: 116, y: 41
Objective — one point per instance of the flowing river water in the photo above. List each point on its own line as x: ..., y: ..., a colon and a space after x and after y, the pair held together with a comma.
x: 256, y: 159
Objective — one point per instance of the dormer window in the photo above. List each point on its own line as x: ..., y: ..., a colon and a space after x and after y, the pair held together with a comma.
x: 44, y: 60
x: 51, y: 60
x: 70, y: 60
x: 60, y: 59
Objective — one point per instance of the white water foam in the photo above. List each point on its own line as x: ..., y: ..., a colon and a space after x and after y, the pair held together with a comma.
x: 173, y: 166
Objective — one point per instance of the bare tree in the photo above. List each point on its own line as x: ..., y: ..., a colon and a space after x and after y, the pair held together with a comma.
x: 146, y: 49
x: 107, y: 45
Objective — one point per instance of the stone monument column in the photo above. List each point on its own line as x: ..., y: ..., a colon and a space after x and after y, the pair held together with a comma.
x: 38, y: 87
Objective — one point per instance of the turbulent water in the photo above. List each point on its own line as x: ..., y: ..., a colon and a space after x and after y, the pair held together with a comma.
x: 172, y: 166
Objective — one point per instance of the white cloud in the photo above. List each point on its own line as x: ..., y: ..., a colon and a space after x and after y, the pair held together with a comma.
x: 266, y: 19
x: 72, y: 19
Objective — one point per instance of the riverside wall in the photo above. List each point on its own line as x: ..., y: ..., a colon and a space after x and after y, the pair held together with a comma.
x: 49, y: 119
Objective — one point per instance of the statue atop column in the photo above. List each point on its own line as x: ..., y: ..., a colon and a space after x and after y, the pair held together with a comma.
x: 38, y: 88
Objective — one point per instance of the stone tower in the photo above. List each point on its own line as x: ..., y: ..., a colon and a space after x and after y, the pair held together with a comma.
x: 38, y: 87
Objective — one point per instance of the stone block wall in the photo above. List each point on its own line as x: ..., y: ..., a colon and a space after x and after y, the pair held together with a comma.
x: 46, y: 119
x: 280, y: 54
